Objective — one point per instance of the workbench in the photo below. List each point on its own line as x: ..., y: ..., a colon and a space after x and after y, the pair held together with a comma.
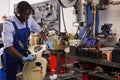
x: 101, y: 62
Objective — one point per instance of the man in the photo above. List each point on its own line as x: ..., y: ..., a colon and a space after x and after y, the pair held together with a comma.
x: 15, y: 38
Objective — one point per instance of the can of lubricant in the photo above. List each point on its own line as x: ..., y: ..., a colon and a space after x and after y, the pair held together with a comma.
x: 109, y: 55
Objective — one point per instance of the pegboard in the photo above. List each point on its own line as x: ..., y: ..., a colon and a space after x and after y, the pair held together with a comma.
x: 47, y: 15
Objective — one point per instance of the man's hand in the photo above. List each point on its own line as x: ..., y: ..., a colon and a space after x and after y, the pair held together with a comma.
x: 49, y: 44
x: 28, y: 58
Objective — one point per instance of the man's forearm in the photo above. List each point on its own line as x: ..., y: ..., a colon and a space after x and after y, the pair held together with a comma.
x: 14, y: 52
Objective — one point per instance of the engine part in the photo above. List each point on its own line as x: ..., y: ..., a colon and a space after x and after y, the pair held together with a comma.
x: 67, y: 3
x: 35, y: 70
x: 80, y: 8
x: 102, y: 4
x: 34, y: 39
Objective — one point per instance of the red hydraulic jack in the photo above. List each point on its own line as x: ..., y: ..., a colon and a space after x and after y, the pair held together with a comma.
x: 57, y: 58
x: 87, y: 77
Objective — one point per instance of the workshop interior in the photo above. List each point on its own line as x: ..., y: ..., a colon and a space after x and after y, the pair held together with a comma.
x: 85, y: 36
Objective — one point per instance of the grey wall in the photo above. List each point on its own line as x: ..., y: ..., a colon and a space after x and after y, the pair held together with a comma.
x: 111, y: 15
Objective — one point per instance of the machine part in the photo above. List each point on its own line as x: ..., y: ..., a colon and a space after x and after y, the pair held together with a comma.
x: 34, y: 39
x: 35, y: 70
x: 38, y: 64
x: 80, y: 8
x: 106, y: 30
x: 37, y: 48
x: 118, y: 43
x: 67, y: 3
x: 93, y: 21
x: 74, y: 42
x: 93, y: 53
x: 53, y: 77
x: 99, y: 69
x: 67, y: 50
x: 76, y: 24
x: 52, y: 32
x: 73, y: 50
x: 95, y: 2
x: 115, y: 2
x: 89, y: 42
x: 103, y: 4
x: 82, y: 52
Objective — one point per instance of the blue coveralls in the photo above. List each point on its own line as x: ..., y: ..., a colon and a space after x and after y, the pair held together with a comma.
x: 11, y: 64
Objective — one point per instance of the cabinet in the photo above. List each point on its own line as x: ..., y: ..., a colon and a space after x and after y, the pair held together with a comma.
x: 115, y: 67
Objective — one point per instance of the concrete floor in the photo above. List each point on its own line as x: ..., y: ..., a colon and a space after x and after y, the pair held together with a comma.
x: 67, y: 76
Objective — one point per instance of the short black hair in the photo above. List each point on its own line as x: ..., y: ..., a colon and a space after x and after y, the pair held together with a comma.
x: 24, y: 5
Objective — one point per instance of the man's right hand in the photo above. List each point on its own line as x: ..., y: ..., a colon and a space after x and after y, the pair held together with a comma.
x: 28, y: 58
x: 49, y: 44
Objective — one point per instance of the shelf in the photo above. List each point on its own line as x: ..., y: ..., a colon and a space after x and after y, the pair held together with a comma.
x: 104, y: 76
x: 96, y: 61
x: 92, y: 73
x: 71, y: 67
x: 69, y: 76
